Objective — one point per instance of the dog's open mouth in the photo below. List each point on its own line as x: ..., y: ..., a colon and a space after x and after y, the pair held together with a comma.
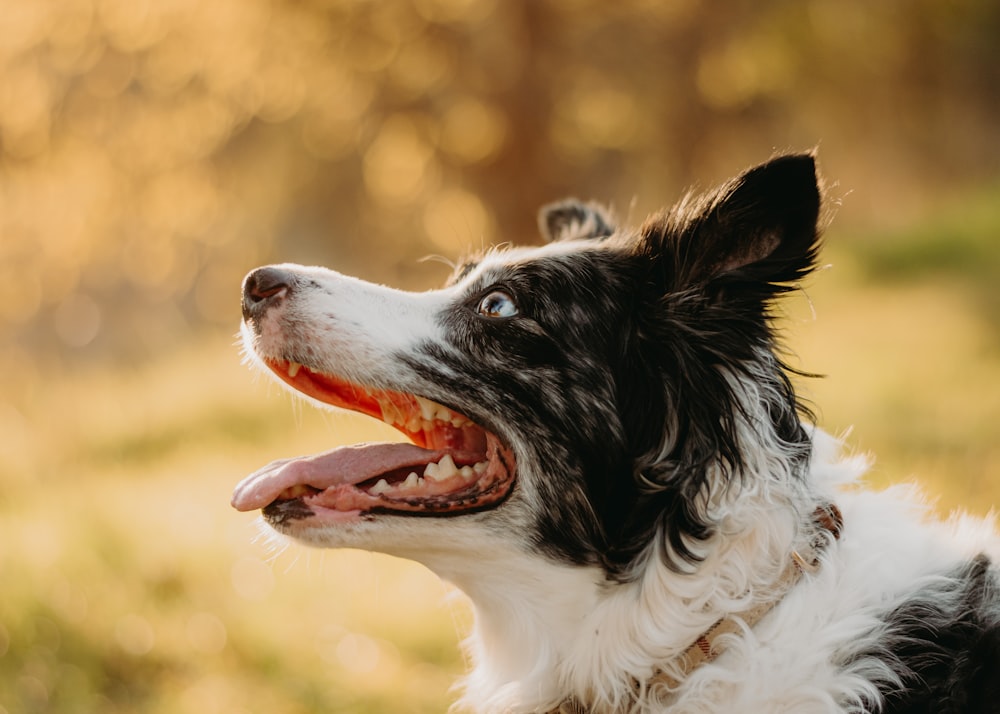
x: 451, y: 466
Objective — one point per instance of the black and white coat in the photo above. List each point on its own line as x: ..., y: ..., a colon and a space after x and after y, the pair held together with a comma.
x: 648, y: 470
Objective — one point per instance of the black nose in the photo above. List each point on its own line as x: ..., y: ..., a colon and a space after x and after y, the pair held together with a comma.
x: 264, y: 287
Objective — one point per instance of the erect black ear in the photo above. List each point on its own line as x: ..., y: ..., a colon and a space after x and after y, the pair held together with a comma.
x: 572, y: 219
x: 759, y: 228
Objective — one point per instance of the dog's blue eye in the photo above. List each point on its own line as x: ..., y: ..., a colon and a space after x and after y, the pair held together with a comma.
x: 497, y: 304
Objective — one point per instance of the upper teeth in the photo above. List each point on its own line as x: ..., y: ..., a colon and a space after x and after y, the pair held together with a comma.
x: 427, y: 408
x: 430, y: 414
x: 293, y: 368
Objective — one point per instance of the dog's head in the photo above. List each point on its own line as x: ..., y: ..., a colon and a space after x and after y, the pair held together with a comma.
x: 588, y: 398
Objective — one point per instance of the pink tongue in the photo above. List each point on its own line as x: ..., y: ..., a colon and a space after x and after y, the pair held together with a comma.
x: 346, y: 465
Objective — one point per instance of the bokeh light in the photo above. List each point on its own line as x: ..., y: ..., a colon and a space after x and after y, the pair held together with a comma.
x: 154, y: 151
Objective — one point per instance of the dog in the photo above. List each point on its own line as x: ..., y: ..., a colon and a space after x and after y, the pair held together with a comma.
x: 604, y: 450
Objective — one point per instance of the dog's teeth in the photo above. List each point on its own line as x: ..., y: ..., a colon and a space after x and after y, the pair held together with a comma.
x: 467, y: 472
x: 433, y: 472
x: 480, y: 468
x: 445, y: 469
x: 293, y: 369
x: 380, y: 487
x: 447, y: 466
x: 427, y: 408
x: 411, y: 481
x: 390, y: 414
x: 443, y: 414
x: 414, y: 424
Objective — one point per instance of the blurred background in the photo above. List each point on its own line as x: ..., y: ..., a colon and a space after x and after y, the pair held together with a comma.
x: 153, y: 151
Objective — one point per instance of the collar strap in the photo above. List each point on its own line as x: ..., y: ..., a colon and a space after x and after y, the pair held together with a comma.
x: 829, y: 522
x: 706, y: 648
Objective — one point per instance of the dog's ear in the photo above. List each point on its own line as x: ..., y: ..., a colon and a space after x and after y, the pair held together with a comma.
x: 757, y: 232
x: 709, y: 266
x: 571, y: 219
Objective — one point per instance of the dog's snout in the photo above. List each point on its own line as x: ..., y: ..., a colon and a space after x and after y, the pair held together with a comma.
x: 263, y: 287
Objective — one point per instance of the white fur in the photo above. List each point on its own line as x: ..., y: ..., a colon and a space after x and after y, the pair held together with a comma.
x: 348, y: 326
x: 541, y: 634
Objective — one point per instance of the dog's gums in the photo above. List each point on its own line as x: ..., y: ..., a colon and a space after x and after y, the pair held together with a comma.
x: 452, y: 465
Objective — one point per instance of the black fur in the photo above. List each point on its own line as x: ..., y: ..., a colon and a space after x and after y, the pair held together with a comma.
x: 944, y: 643
x: 680, y: 304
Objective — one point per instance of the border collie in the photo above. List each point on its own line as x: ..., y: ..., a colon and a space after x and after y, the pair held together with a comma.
x: 604, y: 451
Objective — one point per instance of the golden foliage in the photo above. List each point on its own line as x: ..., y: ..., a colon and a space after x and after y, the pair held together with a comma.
x: 153, y: 151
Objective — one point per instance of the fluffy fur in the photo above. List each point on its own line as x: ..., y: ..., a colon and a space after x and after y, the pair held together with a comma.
x: 665, y: 471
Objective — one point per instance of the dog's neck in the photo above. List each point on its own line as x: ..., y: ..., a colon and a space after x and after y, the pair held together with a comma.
x: 544, y: 630
x: 528, y: 612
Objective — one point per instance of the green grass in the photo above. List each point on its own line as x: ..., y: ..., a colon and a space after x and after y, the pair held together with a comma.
x: 129, y: 584
x: 958, y: 244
